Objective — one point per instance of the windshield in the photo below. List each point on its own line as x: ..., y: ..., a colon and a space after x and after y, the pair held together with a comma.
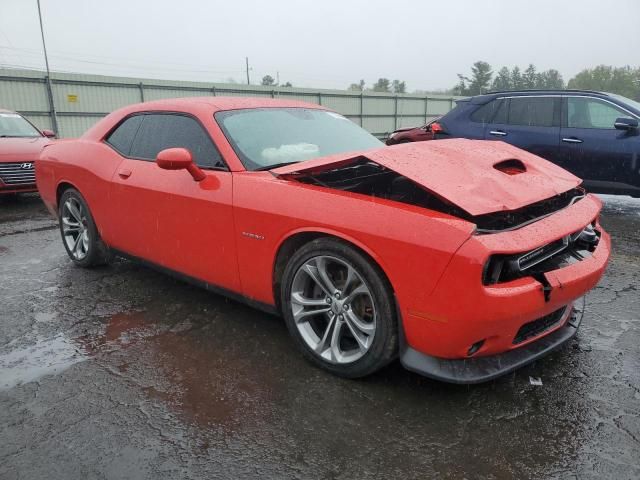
x: 628, y: 101
x: 13, y: 125
x: 266, y: 137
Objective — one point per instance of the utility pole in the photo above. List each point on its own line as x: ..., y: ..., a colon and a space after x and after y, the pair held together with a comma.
x: 246, y: 61
x: 54, y: 117
x: 278, y: 78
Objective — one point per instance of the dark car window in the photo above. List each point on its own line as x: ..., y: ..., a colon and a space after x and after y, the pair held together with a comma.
x: 585, y: 112
x: 484, y: 113
x: 501, y: 111
x: 161, y: 131
x: 531, y: 111
x: 122, y: 137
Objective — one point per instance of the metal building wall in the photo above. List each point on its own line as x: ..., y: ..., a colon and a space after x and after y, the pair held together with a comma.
x: 81, y: 100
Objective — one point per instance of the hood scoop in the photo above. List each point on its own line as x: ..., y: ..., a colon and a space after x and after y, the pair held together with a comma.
x: 510, y: 167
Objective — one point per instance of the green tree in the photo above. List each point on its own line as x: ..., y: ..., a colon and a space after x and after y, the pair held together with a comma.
x: 268, y: 80
x: 530, y: 77
x: 359, y: 87
x: 550, y: 80
x: 382, y: 85
x: 399, y: 87
x: 502, y: 80
x: 288, y: 84
x: 621, y: 80
x: 516, y: 78
x: 480, y: 79
x: 461, y: 87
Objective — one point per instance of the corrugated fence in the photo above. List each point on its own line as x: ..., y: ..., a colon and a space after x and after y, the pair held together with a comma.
x: 80, y: 100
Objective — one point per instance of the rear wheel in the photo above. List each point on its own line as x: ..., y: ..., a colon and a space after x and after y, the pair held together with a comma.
x: 79, y: 232
x: 339, y: 308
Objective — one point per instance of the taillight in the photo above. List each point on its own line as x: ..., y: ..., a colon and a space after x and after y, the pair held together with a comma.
x: 436, y: 128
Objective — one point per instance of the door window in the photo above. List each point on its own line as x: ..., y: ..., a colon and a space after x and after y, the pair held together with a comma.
x: 585, y: 112
x: 532, y: 111
x: 122, y: 137
x: 161, y: 131
x: 484, y: 113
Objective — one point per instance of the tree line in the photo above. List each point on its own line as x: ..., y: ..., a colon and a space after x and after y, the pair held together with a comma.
x: 621, y: 80
x: 382, y: 85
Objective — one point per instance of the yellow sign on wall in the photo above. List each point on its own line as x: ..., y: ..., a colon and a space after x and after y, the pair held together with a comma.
x: 72, y: 98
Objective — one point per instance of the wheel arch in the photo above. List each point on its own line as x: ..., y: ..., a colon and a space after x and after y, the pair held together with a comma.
x: 295, y: 240
x: 63, y: 186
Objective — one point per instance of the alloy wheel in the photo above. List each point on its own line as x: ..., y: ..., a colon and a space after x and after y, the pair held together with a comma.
x: 75, y: 228
x: 333, y: 309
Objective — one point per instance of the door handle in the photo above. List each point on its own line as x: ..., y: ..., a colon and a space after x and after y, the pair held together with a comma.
x: 499, y: 133
x: 124, y: 173
x: 572, y: 140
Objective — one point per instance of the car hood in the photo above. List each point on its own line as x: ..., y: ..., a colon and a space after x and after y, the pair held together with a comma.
x: 476, y: 175
x: 21, y: 149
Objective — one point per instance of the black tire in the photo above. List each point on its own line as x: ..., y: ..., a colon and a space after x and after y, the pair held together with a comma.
x: 96, y: 252
x: 384, y: 346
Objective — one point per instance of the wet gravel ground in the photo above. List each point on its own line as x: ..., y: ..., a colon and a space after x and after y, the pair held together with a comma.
x: 122, y: 372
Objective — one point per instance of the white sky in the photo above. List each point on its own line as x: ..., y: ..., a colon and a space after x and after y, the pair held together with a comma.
x: 319, y: 43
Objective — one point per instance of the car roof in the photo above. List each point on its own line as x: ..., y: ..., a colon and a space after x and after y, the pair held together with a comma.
x: 484, y: 98
x: 221, y: 103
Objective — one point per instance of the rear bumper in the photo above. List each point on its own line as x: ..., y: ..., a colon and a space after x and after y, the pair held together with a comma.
x: 483, y: 369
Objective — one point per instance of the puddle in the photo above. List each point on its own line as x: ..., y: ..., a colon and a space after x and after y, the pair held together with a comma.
x: 47, y: 357
x: 621, y: 204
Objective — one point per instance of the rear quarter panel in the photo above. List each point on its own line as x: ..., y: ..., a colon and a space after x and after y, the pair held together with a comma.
x: 86, y: 165
x: 410, y: 244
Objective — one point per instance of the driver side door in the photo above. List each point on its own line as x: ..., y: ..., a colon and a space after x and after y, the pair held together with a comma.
x: 165, y: 216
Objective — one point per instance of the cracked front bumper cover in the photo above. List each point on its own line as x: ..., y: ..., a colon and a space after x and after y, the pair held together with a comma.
x: 483, y: 369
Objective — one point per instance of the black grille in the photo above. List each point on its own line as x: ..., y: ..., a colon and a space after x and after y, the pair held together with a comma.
x: 18, y: 173
x: 535, y: 328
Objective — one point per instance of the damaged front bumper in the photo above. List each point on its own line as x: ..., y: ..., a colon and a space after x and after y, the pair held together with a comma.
x: 483, y: 369
x: 487, y: 328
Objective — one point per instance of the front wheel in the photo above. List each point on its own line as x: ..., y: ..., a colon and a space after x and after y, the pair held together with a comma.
x: 339, y: 308
x: 79, y: 232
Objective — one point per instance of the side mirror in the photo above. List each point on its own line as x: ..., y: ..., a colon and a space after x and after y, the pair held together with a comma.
x: 624, y: 123
x: 179, y: 159
x: 49, y: 133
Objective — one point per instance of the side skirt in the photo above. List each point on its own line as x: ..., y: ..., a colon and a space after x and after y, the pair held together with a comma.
x: 265, y: 307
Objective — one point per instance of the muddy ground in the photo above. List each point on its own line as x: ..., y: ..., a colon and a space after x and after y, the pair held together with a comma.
x: 122, y: 372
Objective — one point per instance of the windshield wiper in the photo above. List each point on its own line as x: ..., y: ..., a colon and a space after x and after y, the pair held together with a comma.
x: 275, y: 165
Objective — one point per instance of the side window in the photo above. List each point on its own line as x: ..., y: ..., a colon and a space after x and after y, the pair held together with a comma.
x: 531, y: 111
x: 122, y: 137
x: 592, y: 113
x: 160, y: 131
x: 484, y: 113
x: 501, y: 111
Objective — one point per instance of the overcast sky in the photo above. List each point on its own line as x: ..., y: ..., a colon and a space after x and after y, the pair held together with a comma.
x: 319, y: 43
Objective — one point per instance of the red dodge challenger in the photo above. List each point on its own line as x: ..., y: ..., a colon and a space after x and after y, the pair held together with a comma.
x: 462, y: 258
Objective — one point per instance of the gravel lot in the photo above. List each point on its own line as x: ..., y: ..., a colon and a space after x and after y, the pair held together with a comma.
x: 122, y: 372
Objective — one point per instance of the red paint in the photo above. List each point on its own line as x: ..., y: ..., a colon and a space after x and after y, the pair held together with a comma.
x: 415, y: 134
x: 20, y: 150
x: 226, y: 229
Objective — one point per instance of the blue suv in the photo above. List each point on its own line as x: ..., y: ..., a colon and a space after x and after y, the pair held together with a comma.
x: 594, y: 135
